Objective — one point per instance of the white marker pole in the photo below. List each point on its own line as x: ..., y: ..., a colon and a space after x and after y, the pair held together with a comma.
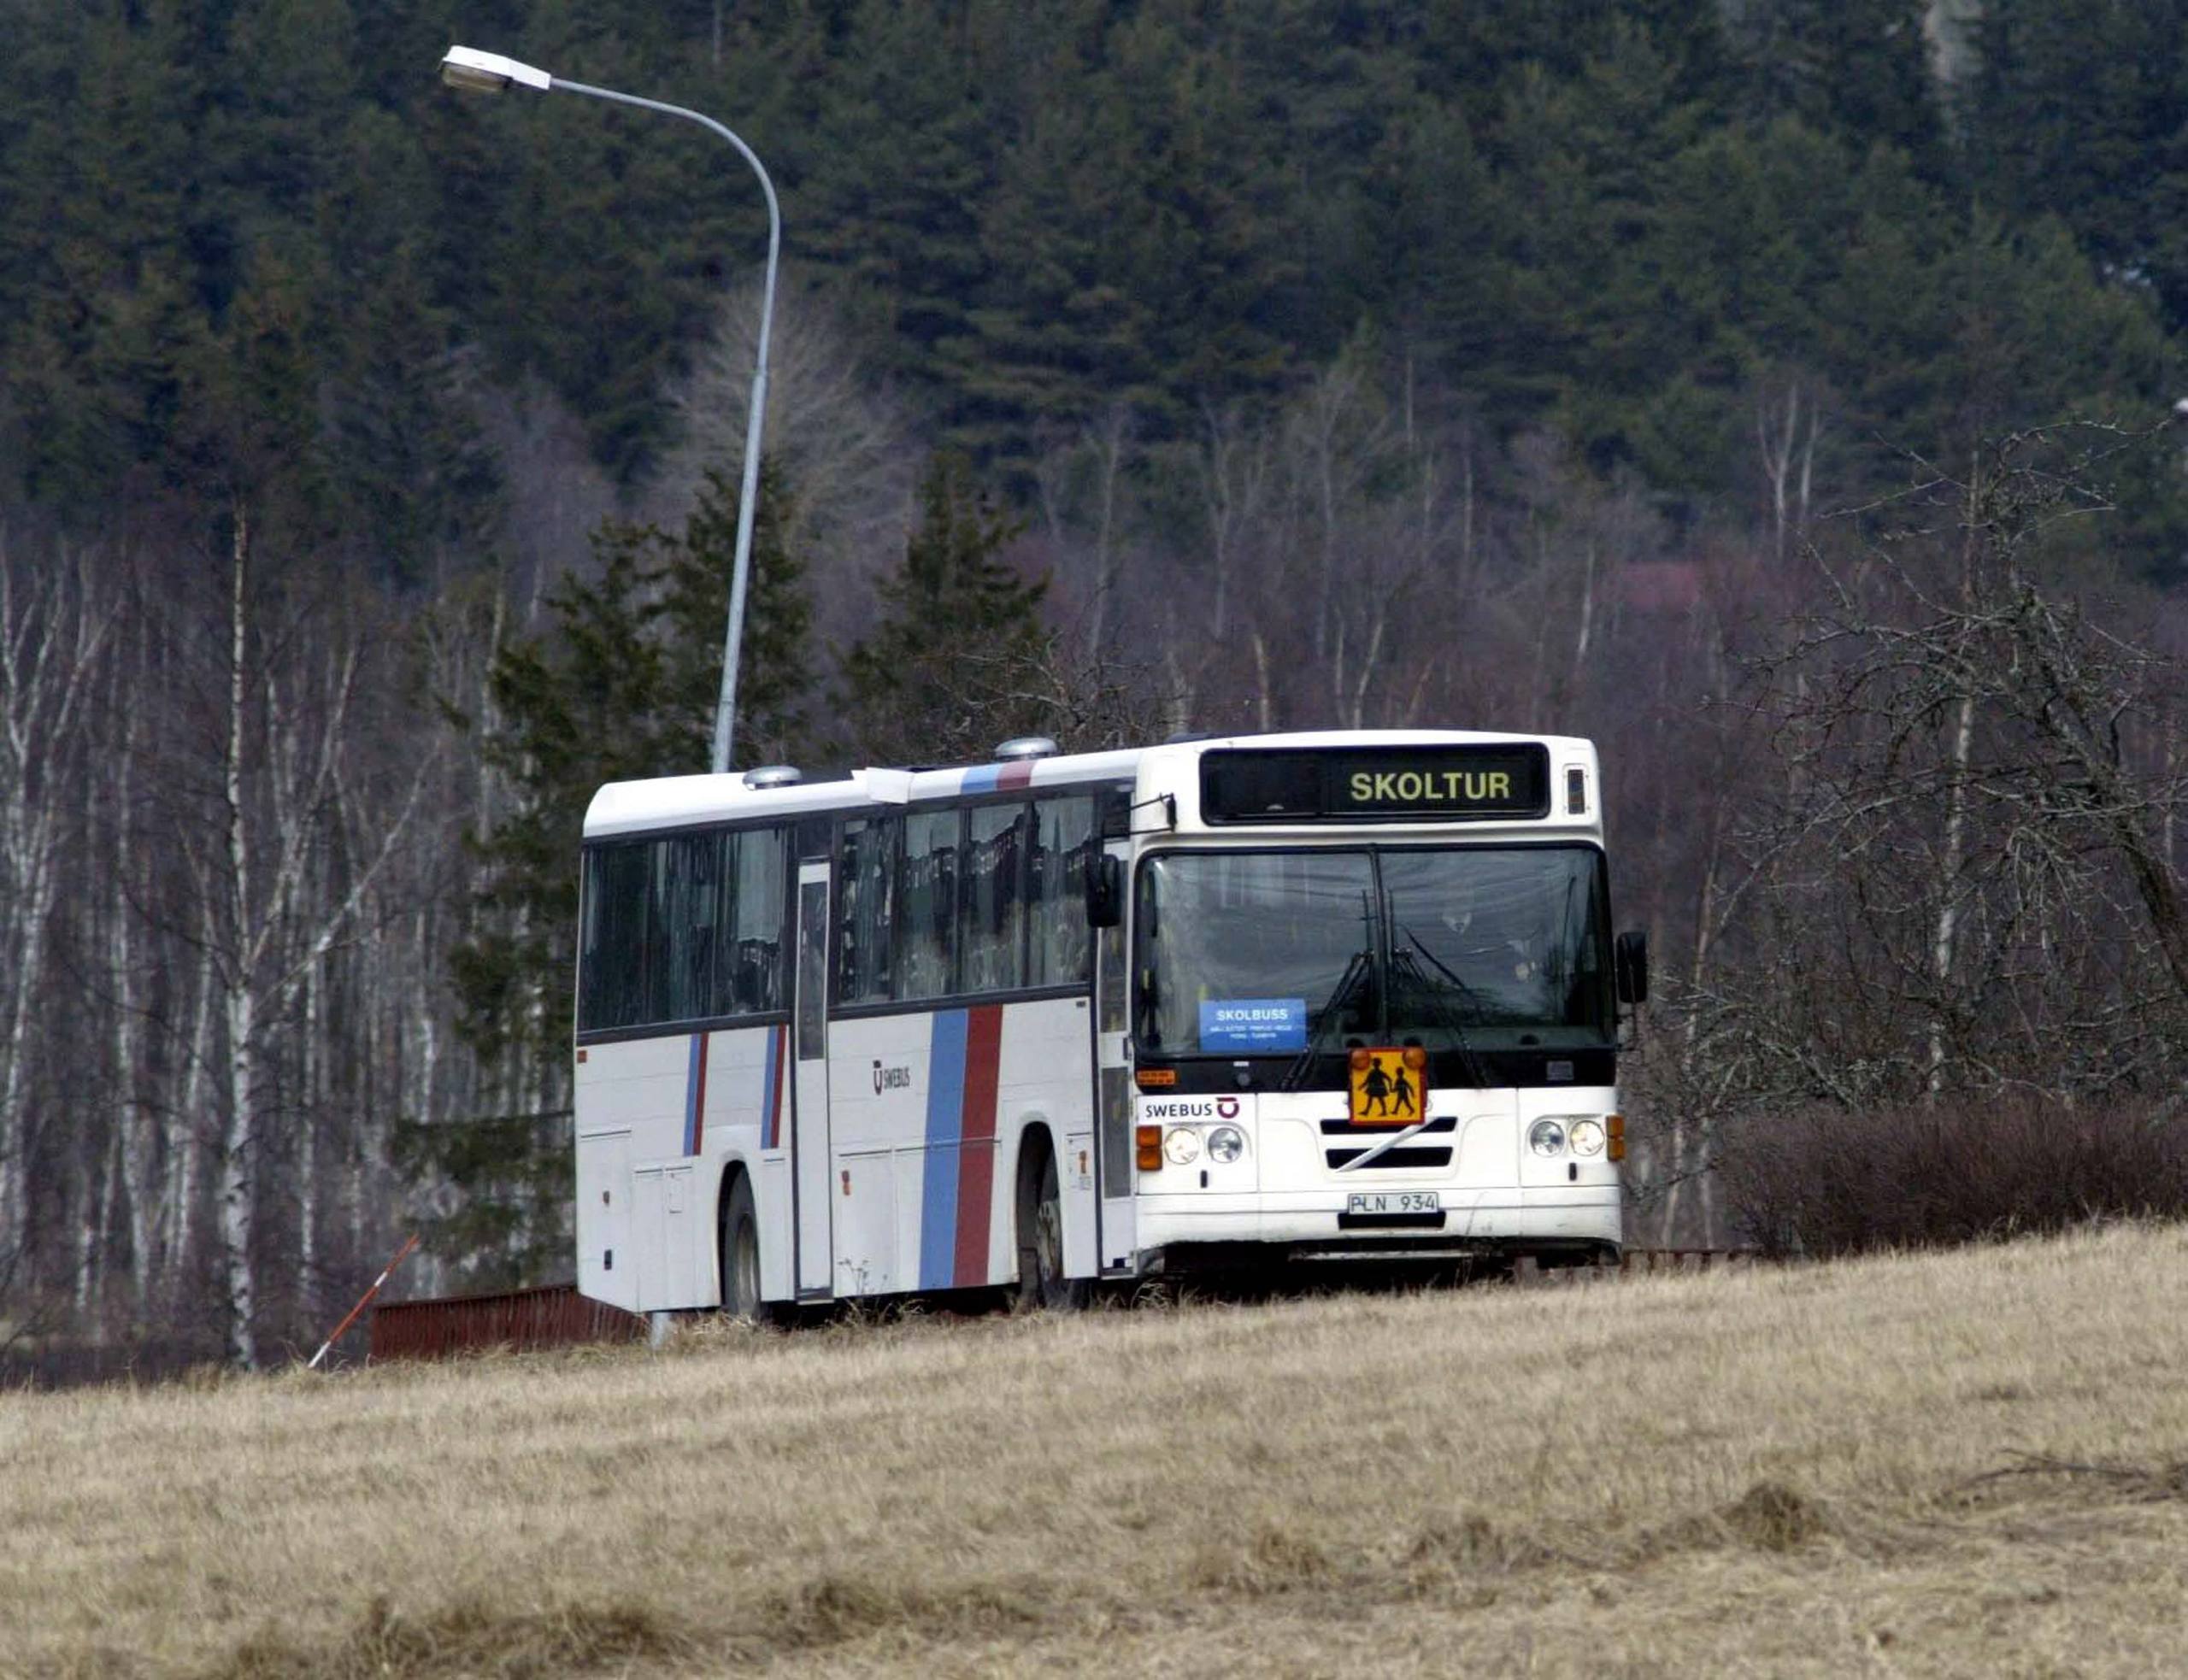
x: 363, y: 1300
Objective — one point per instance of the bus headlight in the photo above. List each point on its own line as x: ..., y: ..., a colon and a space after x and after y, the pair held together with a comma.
x: 1587, y: 1138
x: 1182, y: 1146
x: 1225, y: 1144
x: 1546, y: 1137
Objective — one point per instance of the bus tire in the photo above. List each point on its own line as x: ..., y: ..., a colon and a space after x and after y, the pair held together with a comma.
x: 1042, y: 1285
x: 740, y: 1260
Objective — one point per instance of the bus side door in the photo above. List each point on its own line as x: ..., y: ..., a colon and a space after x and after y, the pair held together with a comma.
x: 1118, y: 1234
x: 810, y: 1148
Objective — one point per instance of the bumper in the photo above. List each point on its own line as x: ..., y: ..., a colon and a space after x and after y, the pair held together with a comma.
x: 1584, y: 1217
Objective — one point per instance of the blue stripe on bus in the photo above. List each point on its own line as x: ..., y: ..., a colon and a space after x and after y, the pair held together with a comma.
x: 695, y: 1091
x: 945, y: 1124
x: 980, y: 779
x: 770, y: 1098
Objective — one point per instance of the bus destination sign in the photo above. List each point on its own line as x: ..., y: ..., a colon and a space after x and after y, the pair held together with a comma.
x: 1245, y: 784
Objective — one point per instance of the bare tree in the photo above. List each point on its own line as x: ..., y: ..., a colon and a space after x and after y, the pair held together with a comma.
x: 1965, y: 884
x: 1232, y: 466
x: 542, y: 446
x: 1788, y: 428
x: 1336, y: 435
x: 54, y: 623
x: 1085, y: 702
x: 843, y: 444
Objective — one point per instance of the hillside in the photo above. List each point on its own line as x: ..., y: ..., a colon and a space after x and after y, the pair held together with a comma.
x: 1960, y: 1463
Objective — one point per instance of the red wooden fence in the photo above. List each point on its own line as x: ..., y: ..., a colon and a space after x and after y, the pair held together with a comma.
x: 1633, y: 1262
x: 554, y: 1315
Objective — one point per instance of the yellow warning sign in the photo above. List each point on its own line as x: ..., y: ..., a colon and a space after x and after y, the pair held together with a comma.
x: 1386, y: 1086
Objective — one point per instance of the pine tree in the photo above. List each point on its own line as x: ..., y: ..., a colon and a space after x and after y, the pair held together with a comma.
x: 893, y: 201
x: 1857, y: 68
x: 776, y: 673
x: 944, y: 675
x: 97, y: 308
x: 615, y: 238
x: 622, y: 685
x: 421, y: 484
x: 2078, y: 110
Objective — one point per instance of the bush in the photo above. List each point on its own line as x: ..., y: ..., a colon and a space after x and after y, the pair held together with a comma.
x: 1824, y: 1181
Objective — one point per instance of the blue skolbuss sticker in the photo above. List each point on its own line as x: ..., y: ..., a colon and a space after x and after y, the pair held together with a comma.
x: 1254, y: 1024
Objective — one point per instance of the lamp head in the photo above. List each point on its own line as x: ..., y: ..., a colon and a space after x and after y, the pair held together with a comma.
x: 477, y: 71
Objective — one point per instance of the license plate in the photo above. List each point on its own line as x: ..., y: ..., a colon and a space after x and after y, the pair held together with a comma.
x: 1393, y: 1201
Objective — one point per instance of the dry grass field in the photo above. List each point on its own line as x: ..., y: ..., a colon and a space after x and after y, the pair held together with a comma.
x: 1974, y: 1463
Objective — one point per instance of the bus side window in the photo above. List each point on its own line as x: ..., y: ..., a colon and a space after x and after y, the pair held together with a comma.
x: 865, y: 917
x: 687, y: 927
x: 612, y: 955
x: 927, y: 965
x: 752, y: 954
x: 991, y: 927
x: 1112, y: 1002
x: 812, y: 970
x: 1058, y: 947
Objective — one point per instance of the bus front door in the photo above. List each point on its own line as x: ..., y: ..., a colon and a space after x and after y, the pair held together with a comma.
x: 816, y: 1206
x: 1113, y: 1094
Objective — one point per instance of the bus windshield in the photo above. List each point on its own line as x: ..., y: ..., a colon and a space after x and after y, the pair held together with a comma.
x: 1466, y: 947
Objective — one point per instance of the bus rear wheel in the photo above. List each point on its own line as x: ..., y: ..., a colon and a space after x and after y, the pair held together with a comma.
x: 740, y: 1260
x: 1042, y: 1284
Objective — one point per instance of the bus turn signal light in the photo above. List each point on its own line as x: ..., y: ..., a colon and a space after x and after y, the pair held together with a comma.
x: 1615, y: 1125
x: 1147, y: 1140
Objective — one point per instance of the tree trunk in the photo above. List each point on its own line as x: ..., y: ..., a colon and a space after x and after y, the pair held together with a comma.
x: 307, y: 1184
x: 52, y: 629
x: 238, y: 1193
x: 1109, y: 446
x: 1948, y: 923
x: 194, y: 1130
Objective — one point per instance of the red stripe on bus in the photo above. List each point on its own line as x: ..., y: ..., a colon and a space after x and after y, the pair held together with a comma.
x: 776, y: 1095
x: 1018, y: 773
x: 699, y: 1093
x: 976, y: 1142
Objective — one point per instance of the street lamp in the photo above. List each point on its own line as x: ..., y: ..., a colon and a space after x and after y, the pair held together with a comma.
x: 479, y: 72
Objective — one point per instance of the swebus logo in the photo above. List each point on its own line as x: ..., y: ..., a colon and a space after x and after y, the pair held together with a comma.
x: 890, y: 1078
x: 1189, y: 1108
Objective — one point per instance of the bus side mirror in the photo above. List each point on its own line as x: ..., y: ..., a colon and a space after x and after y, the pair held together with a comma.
x: 1629, y: 964
x: 1105, y: 891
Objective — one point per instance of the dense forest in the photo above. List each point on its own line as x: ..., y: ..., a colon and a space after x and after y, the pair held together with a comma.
x: 1781, y: 391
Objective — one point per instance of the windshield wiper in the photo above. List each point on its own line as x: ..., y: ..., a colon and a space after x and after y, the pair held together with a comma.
x: 1356, y: 974
x: 1438, y: 1002
x: 1413, y: 939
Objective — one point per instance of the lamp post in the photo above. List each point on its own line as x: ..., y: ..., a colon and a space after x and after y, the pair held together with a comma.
x: 479, y: 72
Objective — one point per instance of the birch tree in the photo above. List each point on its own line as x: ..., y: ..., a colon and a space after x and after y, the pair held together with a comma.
x: 55, y: 621
x: 275, y: 890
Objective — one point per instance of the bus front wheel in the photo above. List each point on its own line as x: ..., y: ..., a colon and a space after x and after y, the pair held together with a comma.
x: 1041, y: 1280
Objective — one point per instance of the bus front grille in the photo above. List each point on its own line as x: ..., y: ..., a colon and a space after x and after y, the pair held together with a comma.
x: 1395, y: 1158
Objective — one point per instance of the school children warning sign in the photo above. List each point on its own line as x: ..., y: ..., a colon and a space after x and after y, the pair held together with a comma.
x: 1385, y: 1090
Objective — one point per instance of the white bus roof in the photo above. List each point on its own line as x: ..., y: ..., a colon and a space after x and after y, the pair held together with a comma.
x: 678, y: 801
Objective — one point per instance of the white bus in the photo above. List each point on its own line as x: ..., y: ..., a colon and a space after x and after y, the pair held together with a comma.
x: 1052, y: 1019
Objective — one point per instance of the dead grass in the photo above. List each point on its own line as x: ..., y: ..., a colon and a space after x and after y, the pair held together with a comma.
x: 1969, y: 1463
